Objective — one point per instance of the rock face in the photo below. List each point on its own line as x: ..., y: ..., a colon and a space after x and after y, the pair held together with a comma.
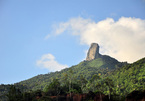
x: 93, y: 52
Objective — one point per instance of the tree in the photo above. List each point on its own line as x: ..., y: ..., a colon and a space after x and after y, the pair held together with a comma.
x: 65, y: 83
x: 14, y: 94
x: 27, y: 96
x: 99, y: 88
x: 109, y: 83
x: 98, y: 84
x: 53, y: 88
x: 94, y: 79
x: 83, y: 82
x: 70, y: 76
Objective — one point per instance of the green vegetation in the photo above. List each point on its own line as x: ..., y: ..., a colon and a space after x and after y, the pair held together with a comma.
x: 130, y: 77
x: 85, y: 68
x: 103, y: 75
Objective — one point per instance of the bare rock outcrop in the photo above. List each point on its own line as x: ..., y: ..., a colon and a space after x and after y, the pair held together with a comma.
x: 93, y: 52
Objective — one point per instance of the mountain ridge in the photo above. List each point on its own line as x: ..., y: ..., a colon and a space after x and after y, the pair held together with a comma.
x: 103, y: 65
x: 40, y: 81
x: 91, y: 67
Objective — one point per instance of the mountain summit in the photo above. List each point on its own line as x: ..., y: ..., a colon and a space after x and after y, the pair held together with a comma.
x: 93, y: 52
x: 95, y: 63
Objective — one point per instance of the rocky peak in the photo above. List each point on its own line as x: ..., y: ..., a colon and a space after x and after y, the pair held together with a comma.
x: 93, y: 52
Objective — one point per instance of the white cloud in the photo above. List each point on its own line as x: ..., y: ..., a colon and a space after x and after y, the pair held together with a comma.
x: 123, y: 39
x: 48, y: 61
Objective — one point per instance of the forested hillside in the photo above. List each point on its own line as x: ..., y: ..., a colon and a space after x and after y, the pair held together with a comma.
x: 101, y: 65
x: 104, y: 74
x: 86, y: 68
x: 130, y: 77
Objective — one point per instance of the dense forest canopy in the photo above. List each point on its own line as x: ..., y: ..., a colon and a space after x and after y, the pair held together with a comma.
x: 105, y: 75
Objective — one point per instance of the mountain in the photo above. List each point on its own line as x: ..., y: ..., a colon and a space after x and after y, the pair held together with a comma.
x: 126, y: 77
x: 99, y: 64
x: 86, y: 68
x: 95, y: 63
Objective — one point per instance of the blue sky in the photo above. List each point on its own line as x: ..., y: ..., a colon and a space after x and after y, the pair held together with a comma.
x: 42, y: 36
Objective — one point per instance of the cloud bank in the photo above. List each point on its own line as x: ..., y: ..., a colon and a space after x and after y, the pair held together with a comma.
x: 48, y: 61
x: 123, y: 39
